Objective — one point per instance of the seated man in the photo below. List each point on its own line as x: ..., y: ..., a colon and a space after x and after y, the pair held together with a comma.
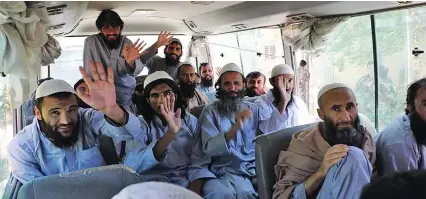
x: 115, y: 51
x: 396, y: 186
x: 255, y: 84
x: 188, y: 86
x: 332, y: 159
x: 80, y: 87
x: 401, y: 146
x: 172, y: 51
x: 206, y: 75
x: 64, y: 138
x: 224, y: 144
x: 165, y: 151
x: 137, y: 96
x: 279, y: 105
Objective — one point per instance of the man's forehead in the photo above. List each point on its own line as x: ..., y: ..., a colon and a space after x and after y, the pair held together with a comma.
x: 339, y: 96
x: 50, y: 102
x: 230, y: 76
x: 188, y: 69
x: 257, y: 78
x: 175, y: 45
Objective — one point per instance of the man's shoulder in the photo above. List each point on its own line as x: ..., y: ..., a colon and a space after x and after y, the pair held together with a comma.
x: 26, y: 139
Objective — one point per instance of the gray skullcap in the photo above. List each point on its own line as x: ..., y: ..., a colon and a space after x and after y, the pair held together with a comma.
x: 329, y: 87
x: 158, y: 190
x: 281, y: 69
x: 156, y: 76
x: 231, y: 67
x: 53, y: 86
x: 175, y: 40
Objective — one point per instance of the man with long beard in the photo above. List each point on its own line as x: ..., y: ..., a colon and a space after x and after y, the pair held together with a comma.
x: 332, y: 159
x: 188, y: 86
x: 279, y: 105
x: 172, y: 51
x: 255, y: 84
x: 226, y: 130
x: 401, y: 145
x: 207, y: 75
x: 116, y: 51
x: 65, y: 138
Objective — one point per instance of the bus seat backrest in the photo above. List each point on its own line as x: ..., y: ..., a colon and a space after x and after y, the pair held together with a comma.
x: 12, y: 187
x: 268, y: 147
x: 100, y: 183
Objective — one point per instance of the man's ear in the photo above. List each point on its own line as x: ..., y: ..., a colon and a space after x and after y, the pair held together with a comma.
x: 320, y: 113
x: 409, y: 108
x: 37, y: 113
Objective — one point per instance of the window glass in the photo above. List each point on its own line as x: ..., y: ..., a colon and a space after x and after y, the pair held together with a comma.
x: 347, y: 59
x: 66, y: 66
x: 398, y: 33
x: 6, y: 132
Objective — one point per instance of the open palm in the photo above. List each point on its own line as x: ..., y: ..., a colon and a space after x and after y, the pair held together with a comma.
x: 132, y: 52
x: 173, y: 118
x: 101, y: 87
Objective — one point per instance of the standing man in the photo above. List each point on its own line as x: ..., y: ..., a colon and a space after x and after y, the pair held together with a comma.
x: 207, y: 75
x: 255, y: 84
x: 114, y: 50
x: 188, y: 86
x: 172, y: 52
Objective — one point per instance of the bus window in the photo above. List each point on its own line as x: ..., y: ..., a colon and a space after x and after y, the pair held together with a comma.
x: 268, y: 42
x: 66, y: 66
x: 338, y: 64
x: 6, y: 132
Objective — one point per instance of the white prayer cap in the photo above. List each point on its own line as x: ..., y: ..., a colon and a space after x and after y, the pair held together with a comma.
x: 231, y: 67
x: 329, y: 87
x: 282, y: 69
x: 185, y: 63
x: 158, y: 190
x: 156, y: 76
x: 53, y: 86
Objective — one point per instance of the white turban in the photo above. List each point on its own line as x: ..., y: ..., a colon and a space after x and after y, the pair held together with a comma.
x: 159, y: 190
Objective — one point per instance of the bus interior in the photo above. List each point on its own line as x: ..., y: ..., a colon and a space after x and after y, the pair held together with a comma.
x: 375, y: 47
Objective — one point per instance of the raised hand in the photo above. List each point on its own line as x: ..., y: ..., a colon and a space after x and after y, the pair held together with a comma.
x: 132, y: 52
x: 282, y: 85
x: 164, y: 38
x: 173, y: 118
x: 240, y: 117
x: 101, y: 87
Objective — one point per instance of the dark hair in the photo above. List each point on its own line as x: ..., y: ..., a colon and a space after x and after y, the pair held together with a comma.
x: 60, y: 95
x: 202, y: 65
x: 302, y: 62
x: 412, y: 93
x: 40, y: 81
x: 109, y: 18
x: 398, y: 185
x: 171, y: 43
x: 146, y: 107
x: 80, y: 81
x: 255, y: 75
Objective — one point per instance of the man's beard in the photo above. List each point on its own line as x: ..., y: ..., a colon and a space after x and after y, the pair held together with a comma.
x: 250, y: 92
x: 138, y: 100
x: 418, y: 126
x: 277, y: 96
x: 187, y: 89
x: 112, y: 44
x: 206, y: 83
x: 351, y: 136
x: 230, y: 104
x: 56, y: 138
x: 170, y: 61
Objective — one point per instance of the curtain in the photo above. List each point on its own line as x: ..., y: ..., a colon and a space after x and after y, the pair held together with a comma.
x: 312, y: 36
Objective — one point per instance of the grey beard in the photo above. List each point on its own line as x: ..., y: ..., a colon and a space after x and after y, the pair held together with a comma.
x: 229, y: 104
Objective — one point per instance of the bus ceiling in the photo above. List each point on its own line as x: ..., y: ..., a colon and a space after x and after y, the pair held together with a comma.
x: 77, y: 18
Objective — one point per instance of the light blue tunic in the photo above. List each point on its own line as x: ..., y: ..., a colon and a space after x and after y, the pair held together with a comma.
x: 344, y: 180
x: 203, y: 89
x: 175, y: 162
x: 32, y: 155
x: 397, y: 150
x: 231, y: 164
x: 295, y: 114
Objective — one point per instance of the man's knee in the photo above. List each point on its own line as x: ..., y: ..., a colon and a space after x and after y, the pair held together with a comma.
x: 218, y: 189
x: 356, y: 156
